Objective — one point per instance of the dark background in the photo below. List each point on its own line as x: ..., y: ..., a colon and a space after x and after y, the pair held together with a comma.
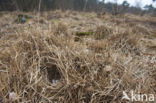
x: 78, y: 5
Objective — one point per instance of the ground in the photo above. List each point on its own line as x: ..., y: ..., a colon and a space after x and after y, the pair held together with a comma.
x: 76, y: 57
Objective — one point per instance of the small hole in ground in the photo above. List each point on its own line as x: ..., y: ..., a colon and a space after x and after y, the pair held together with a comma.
x: 53, y: 74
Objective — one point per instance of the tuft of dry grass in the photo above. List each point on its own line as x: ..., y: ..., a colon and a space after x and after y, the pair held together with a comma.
x: 42, y: 62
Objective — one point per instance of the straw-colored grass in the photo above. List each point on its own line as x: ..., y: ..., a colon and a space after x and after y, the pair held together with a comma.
x: 40, y: 62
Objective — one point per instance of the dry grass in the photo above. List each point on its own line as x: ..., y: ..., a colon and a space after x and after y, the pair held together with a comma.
x: 40, y: 62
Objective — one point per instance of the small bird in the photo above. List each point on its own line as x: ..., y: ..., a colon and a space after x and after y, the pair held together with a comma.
x: 23, y: 18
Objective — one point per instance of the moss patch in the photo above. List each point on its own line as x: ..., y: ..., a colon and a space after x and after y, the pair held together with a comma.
x: 83, y: 33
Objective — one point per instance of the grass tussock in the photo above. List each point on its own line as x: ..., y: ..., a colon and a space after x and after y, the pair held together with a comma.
x: 43, y: 62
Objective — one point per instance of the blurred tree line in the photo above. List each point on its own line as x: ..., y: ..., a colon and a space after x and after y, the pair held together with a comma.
x: 79, y: 5
x: 125, y: 7
x: 29, y: 5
